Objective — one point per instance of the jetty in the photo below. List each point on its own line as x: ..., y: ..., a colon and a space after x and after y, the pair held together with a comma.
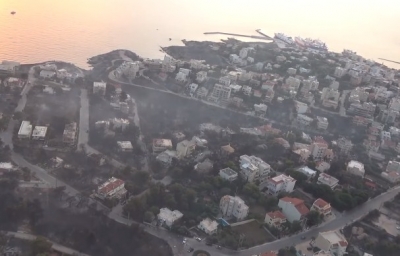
x: 397, y: 62
x: 238, y: 35
x: 261, y: 33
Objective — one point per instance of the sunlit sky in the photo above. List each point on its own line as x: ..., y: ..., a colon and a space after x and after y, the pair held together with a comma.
x: 74, y: 30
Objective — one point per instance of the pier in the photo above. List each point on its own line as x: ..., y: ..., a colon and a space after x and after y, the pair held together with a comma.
x: 397, y: 62
x: 238, y: 35
x: 261, y: 33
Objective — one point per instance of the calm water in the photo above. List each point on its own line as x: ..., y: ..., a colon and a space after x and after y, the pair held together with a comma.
x: 73, y: 30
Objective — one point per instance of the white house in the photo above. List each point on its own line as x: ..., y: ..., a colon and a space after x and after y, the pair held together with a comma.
x: 25, y: 130
x: 280, y: 183
x: 322, y: 207
x: 331, y: 241
x: 201, y: 76
x: 228, y: 174
x: 185, y: 148
x: 225, y: 80
x: 99, y: 87
x: 356, y: 168
x: 275, y: 219
x: 168, y: 217
x: 322, y: 123
x: 260, y: 109
x: 160, y: 145
x: 47, y: 74
x: 166, y: 157
x: 125, y: 146
x: 209, y: 226
x: 293, y: 208
x: 233, y: 206
x: 328, y: 180
x: 181, y: 77
x: 193, y: 88
x: 39, y: 132
x: 310, y: 173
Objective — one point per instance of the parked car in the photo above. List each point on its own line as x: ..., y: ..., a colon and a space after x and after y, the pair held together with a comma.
x: 190, y: 249
x: 198, y: 239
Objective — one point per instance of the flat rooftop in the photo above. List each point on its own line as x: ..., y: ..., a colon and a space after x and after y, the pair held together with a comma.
x: 39, y: 131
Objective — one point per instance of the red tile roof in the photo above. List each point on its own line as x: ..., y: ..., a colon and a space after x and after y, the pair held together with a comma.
x: 270, y: 253
x: 320, y: 203
x: 276, y: 215
x: 298, y: 204
x: 107, y: 188
x: 343, y: 243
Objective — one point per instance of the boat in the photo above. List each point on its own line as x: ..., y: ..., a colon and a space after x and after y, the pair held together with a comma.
x: 13, y: 12
x: 284, y: 38
x: 170, y: 39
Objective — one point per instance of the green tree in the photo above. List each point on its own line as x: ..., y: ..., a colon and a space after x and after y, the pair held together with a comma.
x: 295, y: 226
x: 149, y: 216
x: 313, y: 218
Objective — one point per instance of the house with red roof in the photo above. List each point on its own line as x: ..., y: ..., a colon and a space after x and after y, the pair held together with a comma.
x: 270, y: 253
x: 112, y: 188
x: 293, y: 208
x: 275, y: 219
x: 322, y: 207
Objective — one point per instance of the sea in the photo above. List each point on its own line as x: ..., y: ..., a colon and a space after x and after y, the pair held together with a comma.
x: 75, y: 30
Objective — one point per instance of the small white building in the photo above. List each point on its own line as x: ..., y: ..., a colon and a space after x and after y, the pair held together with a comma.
x: 201, y: 76
x: 166, y: 157
x: 193, y: 88
x: 225, y: 80
x: 168, y: 217
x: 185, y: 148
x: 25, y: 130
x: 181, y: 77
x: 260, y: 109
x: 99, y: 88
x: 228, y: 174
x: 292, y: 71
x: 310, y: 173
x: 120, y: 123
x: 328, y: 180
x: 47, y: 74
x: 322, y: 123
x: 356, y: 168
x: 160, y: 145
x: 125, y: 146
x: 209, y: 226
x: 275, y: 219
x: 39, y: 132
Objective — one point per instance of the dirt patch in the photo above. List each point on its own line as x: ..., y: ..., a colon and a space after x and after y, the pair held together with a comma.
x: 253, y: 232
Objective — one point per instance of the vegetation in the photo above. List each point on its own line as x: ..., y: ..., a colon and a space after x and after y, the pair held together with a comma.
x: 343, y: 200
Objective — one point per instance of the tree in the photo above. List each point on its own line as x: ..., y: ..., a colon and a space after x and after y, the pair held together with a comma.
x: 149, y: 216
x: 295, y: 226
x: 123, y: 96
x: 313, y: 218
x: 40, y: 246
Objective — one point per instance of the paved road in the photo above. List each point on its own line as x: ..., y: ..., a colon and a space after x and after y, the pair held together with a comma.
x: 83, y: 138
x: 56, y: 247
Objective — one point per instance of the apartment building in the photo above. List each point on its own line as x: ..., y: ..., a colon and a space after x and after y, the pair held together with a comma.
x: 254, y: 168
x: 233, y: 206
x: 280, y: 183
